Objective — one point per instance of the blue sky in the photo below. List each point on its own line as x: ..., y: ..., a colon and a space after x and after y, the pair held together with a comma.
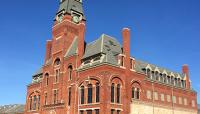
x: 164, y: 32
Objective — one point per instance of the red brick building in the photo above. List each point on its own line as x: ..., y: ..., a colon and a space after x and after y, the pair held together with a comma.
x: 101, y: 77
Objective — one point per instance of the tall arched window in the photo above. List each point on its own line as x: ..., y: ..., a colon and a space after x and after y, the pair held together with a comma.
x: 70, y: 72
x: 39, y: 102
x: 118, y: 93
x: 82, y: 95
x: 90, y: 93
x: 30, y: 106
x: 45, y: 98
x: 34, y: 102
x: 97, y: 92
x: 112, y: 92
x: 47, y: 79
x: 57, y: 76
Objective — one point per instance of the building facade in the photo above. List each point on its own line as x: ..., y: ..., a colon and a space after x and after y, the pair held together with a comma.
x: 101, y: 77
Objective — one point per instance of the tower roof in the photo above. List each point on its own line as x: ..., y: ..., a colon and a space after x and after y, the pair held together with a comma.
x: 70, y: 7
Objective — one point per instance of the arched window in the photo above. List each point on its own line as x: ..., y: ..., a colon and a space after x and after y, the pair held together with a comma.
x: 97, y: 92
x: 112, y: 92
x: 70, y: 72
x: 90, y: 93
x: 30, y: 106
x: 82, y: 95
x: 39, y: 102
x: 57, y: 75
x: 45, y: 99
x: 57, y: 62
x: 118, y: 93
x: 135, y: 93
x: 34, y: 102
x: 47, y: 79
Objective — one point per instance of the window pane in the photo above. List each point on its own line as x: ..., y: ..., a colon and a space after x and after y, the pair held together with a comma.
x: 38, y: 102
x: 45, y: 99
x: 81, y: 112
x: 82, y: 95
x: 112, y: 93
x: 112, y: 111
x: 70, y: 72
x: 90, y: 93
x: 97, y: 92
x: 118, y: 93
x: 138, y: 93
x: 34, y: 103
x: 133, y: 93
x: 89, y: 111
x: 97, y: 111
x: 31, y: 103
x: 118, y: 111
x: 69, y: 95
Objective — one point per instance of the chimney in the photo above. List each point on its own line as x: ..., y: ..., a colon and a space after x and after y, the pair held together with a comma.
x: 48, y: 50
x: 185, y: 70
x: 126, y: 47
x: 81, y: 42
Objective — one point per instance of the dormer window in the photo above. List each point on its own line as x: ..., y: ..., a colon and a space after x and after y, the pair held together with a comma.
x: 148, y: 73
x: 121, y: 60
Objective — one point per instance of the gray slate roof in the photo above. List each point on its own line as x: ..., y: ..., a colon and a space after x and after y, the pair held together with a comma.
x: 11, y: 109
x: 140, y: 65
x: 38, y: 72
x: 105, y: 45
x: 71, y: 5
x: 110, y: 47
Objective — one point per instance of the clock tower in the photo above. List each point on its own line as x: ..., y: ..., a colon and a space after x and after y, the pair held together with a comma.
x: 69, y: 27
x: 72, y: 8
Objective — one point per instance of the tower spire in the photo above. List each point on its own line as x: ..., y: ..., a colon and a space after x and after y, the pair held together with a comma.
x: 73, y: 8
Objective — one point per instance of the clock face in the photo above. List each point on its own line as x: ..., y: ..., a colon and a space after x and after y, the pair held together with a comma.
x: 76, y: 19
